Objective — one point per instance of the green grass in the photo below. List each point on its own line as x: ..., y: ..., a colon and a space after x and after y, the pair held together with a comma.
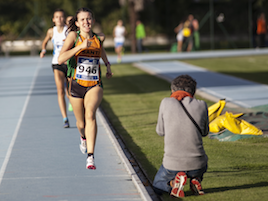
x: 254, y: 68
x: 236, y: 170
x: 131, y: 102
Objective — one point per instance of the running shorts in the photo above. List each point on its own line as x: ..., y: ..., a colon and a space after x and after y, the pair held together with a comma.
x: 63, y: 68
x: 119, y: 44
x: 78, y: 91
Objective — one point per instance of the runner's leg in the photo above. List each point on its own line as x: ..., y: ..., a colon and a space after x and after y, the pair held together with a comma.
x: 91, y: 102
x: 59, y: 80
x: 68, y: 80
x: 79, y: 111
x: 119, y: 52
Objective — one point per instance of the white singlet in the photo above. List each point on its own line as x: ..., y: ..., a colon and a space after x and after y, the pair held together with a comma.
x: 119, y: 32
x: 57, y: 41
x: 180, y: 36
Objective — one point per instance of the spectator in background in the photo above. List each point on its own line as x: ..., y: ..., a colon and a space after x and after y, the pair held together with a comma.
x: 196, y: 40
x: 188, y: 33
x: 185, y: 35
x: 119, y: 33
x: 140, y: 35
x: 261, y: 30
x: 178, y: 30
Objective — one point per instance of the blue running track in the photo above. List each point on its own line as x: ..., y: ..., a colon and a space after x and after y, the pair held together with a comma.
x: 40, y: 160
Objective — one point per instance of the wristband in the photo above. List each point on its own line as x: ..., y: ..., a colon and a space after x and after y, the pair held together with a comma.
x: 106, y: 64
x: 44, y: 50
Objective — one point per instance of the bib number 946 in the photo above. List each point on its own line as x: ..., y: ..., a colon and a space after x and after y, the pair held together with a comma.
x: 87, y: 69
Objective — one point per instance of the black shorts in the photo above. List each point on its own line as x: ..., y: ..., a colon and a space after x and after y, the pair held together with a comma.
x: 78, y: 91
x: 63, y: 68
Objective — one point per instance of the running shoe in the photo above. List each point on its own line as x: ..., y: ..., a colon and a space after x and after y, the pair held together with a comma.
x: 83, y: 145
x: 66, y: 124
x: 90, y: 163
x: 196, y: 187
x: 118, y: 59
x: 178, y: 184
x: 70, y: 107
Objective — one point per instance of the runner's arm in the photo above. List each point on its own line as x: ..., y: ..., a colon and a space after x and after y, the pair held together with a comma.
x: 107, y: 63
x: 104, y: 56
x: 45, y: 41
x: 67, y: 51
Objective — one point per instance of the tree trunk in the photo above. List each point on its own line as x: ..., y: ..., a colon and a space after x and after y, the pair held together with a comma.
x: 132, y: 18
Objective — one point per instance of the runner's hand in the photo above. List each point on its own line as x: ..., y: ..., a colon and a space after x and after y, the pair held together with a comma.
x: 109, y: 73
x: 42, y: 54
x: 86, y: 44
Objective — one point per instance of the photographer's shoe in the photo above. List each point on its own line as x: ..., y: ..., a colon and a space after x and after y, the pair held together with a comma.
x: 178, y: 184
x: 196, y: 187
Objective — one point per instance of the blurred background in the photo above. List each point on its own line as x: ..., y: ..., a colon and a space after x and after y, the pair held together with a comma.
x: 223, y: 24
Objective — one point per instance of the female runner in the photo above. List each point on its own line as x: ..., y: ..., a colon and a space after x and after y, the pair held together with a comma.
x: 84, y: 48
x: 57, y: 34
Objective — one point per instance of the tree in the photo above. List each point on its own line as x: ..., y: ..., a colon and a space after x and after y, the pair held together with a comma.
x: 132, y: 18
x: 160, y: 17
x: 134, y: 6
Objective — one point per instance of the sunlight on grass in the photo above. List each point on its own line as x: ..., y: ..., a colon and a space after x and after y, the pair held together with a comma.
x: 236, y: 170
x: 252, y: 68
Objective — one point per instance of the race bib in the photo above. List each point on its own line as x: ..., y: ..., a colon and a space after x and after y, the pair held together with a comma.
x: 87, y: 69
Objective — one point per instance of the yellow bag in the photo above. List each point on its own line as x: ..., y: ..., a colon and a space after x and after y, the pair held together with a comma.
x: 186, y: 32
x: 240, y: 126
x: 216, y: 109
x: 217, y: 124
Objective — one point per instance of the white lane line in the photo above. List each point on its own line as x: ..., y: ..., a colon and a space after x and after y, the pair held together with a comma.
x: 120, y: 176
x: 135, y: 178
x: 11, y: 145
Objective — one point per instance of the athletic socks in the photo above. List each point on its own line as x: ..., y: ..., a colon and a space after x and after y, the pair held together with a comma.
x: 66, y: 123
x: 65, y: 119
